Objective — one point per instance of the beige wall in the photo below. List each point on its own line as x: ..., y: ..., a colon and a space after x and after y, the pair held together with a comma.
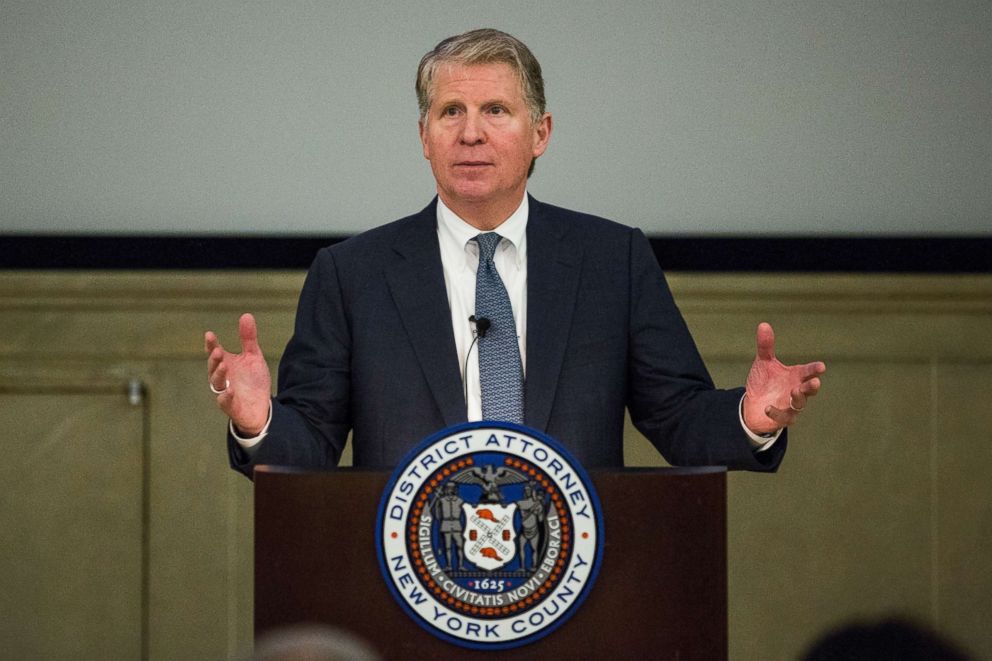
x: 130, y: 533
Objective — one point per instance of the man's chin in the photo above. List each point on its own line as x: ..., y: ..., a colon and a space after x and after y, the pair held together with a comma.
x: 473, y: 193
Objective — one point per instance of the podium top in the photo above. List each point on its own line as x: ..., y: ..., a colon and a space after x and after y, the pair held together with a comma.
x: 631, y: 470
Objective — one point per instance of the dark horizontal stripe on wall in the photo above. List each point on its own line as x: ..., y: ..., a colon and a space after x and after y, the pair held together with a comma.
x: 159, y: 252
x: 822, y: 254
x: 675, y: 253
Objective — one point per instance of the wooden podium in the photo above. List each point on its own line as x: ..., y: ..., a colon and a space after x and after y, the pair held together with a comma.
x: 661, y: 591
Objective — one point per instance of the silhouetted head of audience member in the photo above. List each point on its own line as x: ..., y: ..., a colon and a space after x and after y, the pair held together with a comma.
x: 312, y: 642
x: 893, y: 639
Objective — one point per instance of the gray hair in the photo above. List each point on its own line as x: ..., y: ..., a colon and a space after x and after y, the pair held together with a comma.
x: 485, y: 46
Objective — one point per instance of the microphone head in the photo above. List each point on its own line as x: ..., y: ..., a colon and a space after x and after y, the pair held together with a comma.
x: 481, y: 325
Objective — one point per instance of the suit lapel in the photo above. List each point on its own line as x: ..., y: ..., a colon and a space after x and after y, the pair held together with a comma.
x: 416, y: 282
x: 553, y: 259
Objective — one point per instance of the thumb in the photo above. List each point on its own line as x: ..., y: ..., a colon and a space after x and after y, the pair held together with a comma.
x: 765, y: 339
x: 249, y: 334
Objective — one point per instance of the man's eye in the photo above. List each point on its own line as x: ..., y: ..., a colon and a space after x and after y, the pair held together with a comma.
x: 450, y: 111
x: 497, y: 110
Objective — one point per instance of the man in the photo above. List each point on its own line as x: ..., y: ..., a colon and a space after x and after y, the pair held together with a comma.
x: 387, y: 320
x: 447, y: 510
x: 532, y: 508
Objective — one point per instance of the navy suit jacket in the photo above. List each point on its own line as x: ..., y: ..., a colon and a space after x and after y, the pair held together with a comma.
x: 373, y: 352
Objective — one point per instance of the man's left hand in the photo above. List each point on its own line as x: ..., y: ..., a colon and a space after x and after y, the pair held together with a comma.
x: 776, y: 393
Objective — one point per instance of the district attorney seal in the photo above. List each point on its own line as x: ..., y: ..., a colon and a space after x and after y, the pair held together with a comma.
x: 489, y: 535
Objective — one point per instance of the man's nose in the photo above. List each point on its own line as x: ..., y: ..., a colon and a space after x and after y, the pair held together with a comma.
x: 473, y: 131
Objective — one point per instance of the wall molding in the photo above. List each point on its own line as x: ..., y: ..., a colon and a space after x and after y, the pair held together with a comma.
x: 694, y: 291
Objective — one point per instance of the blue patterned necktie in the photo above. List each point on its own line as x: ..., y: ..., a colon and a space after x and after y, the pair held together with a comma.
x: 500, y: 371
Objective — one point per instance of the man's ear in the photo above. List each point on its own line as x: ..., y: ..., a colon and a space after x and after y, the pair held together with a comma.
x: 422, y: 128
x: 542, y: 134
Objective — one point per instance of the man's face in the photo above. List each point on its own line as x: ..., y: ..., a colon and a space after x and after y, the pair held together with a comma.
x: 480, y: 140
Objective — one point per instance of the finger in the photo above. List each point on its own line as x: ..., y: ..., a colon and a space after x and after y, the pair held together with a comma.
x: 224, y: 401
x: 781, y: 418
x: 209, y: 341
x: 810, y: 370
x: 214, y: 360
x: 810, y: 388
x: 248, y: 331
x: 765, y: 339
x: 218, y: 378
x: 797, y: 400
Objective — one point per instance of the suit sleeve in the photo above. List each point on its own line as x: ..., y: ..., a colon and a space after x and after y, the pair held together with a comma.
x: 311, y: 415
x: 671, y: 398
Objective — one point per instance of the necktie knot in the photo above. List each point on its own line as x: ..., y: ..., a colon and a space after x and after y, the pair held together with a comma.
x: 487, y: 245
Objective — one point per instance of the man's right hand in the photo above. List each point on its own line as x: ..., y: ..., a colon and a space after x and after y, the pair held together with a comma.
x: 242, y: 379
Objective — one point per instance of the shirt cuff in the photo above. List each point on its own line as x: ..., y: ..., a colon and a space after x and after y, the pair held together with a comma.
x: 759, y: 442
x: 249, y: 443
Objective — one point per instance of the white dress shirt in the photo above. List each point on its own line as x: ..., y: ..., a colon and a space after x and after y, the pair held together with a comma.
x: 460, y: 261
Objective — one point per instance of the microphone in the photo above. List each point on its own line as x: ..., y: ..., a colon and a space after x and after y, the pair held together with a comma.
x: 481, y: 325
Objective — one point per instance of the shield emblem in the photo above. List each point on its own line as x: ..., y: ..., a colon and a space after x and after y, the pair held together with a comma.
x: 489, y: 535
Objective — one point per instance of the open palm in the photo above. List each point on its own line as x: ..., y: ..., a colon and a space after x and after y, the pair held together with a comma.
x: 777, y: 393
x: 242, y: 379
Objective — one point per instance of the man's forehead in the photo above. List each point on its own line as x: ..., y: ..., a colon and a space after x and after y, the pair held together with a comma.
x: 452, y: 78
x: 463, y: 70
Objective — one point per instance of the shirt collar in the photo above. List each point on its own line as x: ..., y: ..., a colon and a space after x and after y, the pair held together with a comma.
x: 455, y: 234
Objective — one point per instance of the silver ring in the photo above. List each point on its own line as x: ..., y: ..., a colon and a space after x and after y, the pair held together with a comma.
x: 795, y: 409
x: 227, y: 384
